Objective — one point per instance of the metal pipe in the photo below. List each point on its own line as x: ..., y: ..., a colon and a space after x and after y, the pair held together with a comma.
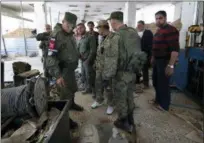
x: 26, y: 52
x: 3, y: 40
x: 50, y: 16
x: 45, y: 11
x: 196, y: 12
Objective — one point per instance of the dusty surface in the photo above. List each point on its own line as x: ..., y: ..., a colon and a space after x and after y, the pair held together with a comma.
x: 152, y: 126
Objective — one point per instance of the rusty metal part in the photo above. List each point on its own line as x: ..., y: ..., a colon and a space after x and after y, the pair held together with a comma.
x: 40, y: 95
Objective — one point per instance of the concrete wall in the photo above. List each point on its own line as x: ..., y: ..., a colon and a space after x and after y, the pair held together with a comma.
x: 200, y: 12
x: 148, y: 13
x: 177, y: 10
x: 187, y: 19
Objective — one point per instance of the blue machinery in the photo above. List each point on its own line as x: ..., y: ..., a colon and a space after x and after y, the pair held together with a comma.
x: 189, y: 73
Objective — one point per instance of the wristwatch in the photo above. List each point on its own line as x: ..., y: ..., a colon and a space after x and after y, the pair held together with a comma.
x: 171, y: 66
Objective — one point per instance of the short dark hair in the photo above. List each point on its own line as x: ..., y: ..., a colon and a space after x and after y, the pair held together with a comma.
x: 81, y: 24
x: 141, y: 22
x: 162, y: 12
x: 90, y: 22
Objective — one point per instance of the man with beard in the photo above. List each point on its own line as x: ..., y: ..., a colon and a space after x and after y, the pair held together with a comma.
x: 91, y: 30
x: 164, y: 55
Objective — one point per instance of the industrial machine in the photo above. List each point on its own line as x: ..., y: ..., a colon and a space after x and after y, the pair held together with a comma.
x: 189, y: 72
x: 195, y: 36
x: 195, y: 56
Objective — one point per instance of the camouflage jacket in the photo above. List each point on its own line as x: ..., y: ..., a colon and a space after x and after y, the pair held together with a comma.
x: 107, y: 56
x: 95, y: 34
x: 87, y: 48
x: 64, y: 58
x: 131, y: 58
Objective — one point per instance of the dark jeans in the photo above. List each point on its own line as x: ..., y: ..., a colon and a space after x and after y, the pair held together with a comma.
x: 88, y: 75
x: 161, y: 83
x: 145, y: 75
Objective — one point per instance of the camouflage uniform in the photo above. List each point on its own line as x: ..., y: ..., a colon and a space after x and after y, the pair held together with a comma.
x: 129, y: 61
x: 87, y: 50
x: 44, y: 37
x: 64, y: 60
x: 106, y: 66
x: 95, y: 34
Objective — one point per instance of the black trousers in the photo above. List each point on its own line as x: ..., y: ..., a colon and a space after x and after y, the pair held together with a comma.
x: 161, y: 83
x: 145, y: 75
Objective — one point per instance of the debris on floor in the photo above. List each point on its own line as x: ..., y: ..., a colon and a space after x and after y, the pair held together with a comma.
x: 117, y: 137
x: 32, y: 130
x: 89, y: 134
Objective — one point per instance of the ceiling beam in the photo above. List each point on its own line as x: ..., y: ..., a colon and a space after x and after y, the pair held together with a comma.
x: 14, y: 14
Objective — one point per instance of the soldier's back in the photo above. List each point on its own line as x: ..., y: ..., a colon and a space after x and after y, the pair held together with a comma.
x: 129, y: 45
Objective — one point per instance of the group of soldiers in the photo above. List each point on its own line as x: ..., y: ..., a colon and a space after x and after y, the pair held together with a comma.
x: 108, y: 66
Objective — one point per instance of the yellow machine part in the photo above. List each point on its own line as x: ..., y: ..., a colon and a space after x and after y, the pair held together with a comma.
x: 194, y: 29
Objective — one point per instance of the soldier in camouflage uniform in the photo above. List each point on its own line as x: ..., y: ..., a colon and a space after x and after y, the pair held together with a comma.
x: 106, y: 65
x: 62, y: 60
x: 87, y: 50
x: 130, y: 59
x: 44, y: 37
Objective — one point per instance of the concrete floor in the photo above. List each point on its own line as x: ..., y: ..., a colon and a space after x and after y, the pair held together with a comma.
x: 152, y: 126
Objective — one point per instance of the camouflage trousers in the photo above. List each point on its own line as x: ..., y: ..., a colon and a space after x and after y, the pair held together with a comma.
x: 101, y: 90
x: 123, y: 93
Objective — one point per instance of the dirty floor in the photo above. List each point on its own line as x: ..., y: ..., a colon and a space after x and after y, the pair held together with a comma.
x: 152, y: 126
x: 180, y: 125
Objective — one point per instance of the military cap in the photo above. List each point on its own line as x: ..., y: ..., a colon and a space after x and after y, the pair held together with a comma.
x: 102, y: 23
x: 118, y: 15
x: 70, y: 17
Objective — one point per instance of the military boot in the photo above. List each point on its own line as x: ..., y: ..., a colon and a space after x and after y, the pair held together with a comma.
x: 76, y: 107
x: 123, y: 124
x: 73, y: 125
x: 131, y: 119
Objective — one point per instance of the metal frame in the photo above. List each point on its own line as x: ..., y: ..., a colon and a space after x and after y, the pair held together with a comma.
x: 25, y: 43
